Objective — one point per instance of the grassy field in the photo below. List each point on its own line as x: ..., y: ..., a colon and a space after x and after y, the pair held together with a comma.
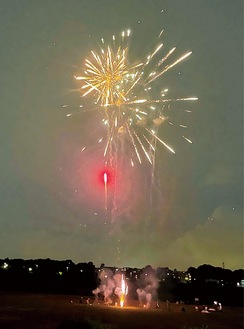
x: 29, y: 311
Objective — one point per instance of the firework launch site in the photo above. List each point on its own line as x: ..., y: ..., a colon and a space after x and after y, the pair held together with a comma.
x: 60, y: 294
x: 28, y: 311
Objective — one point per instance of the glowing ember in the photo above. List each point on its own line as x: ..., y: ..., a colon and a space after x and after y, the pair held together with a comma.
x: 105, y: 178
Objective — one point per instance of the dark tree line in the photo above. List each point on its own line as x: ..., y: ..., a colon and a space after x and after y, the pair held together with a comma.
x: 219, y: 275
x: 47, y: 276
x: 207, y: 284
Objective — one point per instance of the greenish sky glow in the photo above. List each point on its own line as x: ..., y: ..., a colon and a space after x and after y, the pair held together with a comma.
x: 50, y: 203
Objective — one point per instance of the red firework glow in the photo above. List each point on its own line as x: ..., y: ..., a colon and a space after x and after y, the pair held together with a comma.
x: 105, y: 177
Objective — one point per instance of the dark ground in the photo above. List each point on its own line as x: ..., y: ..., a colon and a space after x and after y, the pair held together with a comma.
x: 29, y: 311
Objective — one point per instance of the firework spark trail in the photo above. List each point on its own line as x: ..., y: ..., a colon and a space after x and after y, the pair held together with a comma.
x: 105, y: 179
x: 152, y: 173
x: 117, y: 88
x: 124, y: 290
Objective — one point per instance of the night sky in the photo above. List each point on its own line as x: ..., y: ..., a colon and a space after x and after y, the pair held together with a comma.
x: 51, y: 200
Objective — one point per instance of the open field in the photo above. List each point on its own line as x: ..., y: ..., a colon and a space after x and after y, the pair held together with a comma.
x: 36, y: 311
